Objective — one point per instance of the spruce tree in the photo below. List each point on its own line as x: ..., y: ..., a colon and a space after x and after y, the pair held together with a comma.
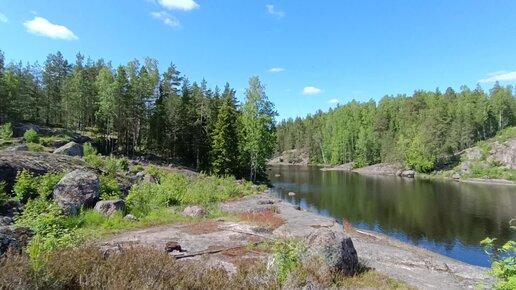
x: 224, y: 154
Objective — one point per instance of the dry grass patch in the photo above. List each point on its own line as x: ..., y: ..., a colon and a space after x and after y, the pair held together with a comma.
x: 266, y: 219
x: 202, y: 228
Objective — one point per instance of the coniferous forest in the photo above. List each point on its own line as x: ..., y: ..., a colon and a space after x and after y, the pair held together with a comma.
x: 421, y: 131
x: 134, y: 109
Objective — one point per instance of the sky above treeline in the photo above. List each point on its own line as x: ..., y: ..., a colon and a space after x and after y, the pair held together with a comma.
x: 310, y: 54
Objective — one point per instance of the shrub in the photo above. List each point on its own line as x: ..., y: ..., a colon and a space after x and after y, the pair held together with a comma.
x: 25, y: 187
x: 31, y: 136
x: 503, y: 261
x: 89, y: 150
x: 109, y: 188
x: 287, y: 257
x: 33, y: 147
x: 28, y: 186
x: 6, y: 131
x: 46, y: 184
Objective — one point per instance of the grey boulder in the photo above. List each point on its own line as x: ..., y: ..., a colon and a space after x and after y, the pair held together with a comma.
x: 77, y: 189
x: 194, y: 211
x: 110, y: 207
x: 334, y: 248
x: 70, y: 149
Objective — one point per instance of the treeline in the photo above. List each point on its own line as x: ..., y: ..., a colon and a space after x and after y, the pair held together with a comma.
x: 421, y: 131
x: 136, y: 110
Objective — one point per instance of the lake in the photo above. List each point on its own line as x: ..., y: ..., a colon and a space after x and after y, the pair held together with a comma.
x: 447, y: 217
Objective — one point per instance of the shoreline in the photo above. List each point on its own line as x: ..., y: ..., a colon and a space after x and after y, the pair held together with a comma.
x: 418, y: 267
x: 341, y: 168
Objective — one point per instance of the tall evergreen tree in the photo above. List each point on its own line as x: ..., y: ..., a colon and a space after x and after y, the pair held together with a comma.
x: 224, y: 153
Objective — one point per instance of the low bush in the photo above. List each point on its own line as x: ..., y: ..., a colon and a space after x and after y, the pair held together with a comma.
x: 33, y: 147
x: 31, y: 136
x: 503, y: 261
x: 4, y: 197
x: 109, y: 188
x: 6, y: 131
x: 27, y: 186
x: 177, y: 189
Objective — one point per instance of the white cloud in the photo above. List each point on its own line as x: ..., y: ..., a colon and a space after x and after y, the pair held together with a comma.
x: 3, y: 18
x: 179, y: 4
x: 311, y: 91
x: 276, y: 70
x: 167, y: 19
x: 273, y: 11
x: 333, y: 101
x: 499, y: 76
x: 43, y: 27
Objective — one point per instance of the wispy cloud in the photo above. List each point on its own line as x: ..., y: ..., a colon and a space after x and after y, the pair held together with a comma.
x: 43, y: 27
x: 3, y: 18
x: 311, y: 91
x: 179, y: 4
x: 333, y: 101
x: 499, y: 76
x: 274, y: 11
x: 276, y: 70
x: 167, y: 19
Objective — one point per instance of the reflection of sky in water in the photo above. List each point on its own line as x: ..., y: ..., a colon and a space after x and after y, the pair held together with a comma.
x: 456, y: 249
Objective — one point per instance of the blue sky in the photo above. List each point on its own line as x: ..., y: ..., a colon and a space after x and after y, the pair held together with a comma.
x: 309, y: 54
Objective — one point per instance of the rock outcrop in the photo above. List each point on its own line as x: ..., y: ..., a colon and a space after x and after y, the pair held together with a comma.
x: 503, y: 154
x: 110, y: 207
x: 77, y: 189
x: 334, y: 248
x: 291, y: 157
x: 14, y: 238
x: 36, y: 162
x: 70, y: 149
x: 380, y: 169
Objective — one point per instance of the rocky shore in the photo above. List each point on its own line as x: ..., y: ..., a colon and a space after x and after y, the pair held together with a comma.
x: 209, y: 241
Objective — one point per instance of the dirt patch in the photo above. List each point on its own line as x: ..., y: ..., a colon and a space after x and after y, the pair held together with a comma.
x: 202, y: 228
x: 267, y: 220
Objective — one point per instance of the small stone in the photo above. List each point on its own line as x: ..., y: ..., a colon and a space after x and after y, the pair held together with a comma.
x: 173, y: 246
x: 408, y: 173
x: 194, y: 211
x: 456, y: 176
x: 291, y: 193
x: 297, y: 207
x: 263, y: 202
x: 5, y: 221
x: 131, y: 218
x: 110, y: 207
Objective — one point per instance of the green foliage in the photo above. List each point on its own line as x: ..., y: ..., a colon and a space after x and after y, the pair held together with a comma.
x: 6, y: 131
x: 177, y: 189
x: 25, y: 186
x: 258, y: 129
x: 44, y: 218
x: 504, y: 262
x: 4, y: 197
x: 224, y: 154
x: 33, y: 147
x: 89, y: 150
x: 46, y: 184
x: 31, y: 136
x: 109, y: 189
x: 287, y: 255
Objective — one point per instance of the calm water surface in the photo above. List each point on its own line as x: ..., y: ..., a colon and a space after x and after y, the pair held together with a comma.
x: 446, y: 217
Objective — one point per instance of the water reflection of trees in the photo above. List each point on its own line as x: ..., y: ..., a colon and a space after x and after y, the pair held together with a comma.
x: 438, y: 211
